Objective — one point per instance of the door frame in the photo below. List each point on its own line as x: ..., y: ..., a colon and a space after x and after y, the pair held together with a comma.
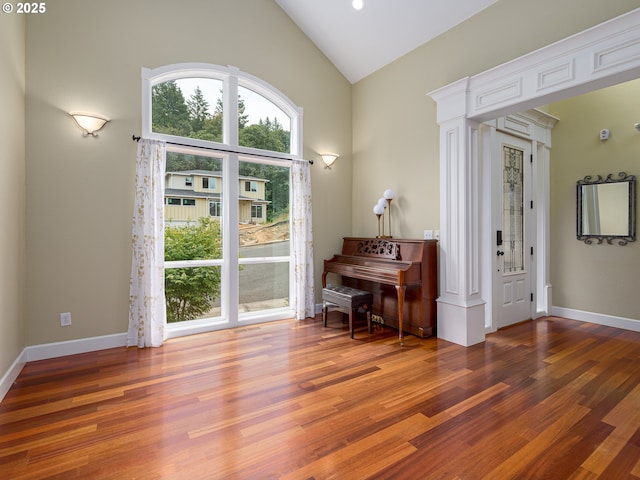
x: 533, y: 126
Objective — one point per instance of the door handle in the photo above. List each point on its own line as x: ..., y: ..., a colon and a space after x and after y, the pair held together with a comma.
x: 500, y: 253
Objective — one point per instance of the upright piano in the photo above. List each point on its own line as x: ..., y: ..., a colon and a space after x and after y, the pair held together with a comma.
x: 401, y: 274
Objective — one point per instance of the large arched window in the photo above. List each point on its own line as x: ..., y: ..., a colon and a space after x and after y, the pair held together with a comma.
x: 230, y: 141
x: 220, y: 107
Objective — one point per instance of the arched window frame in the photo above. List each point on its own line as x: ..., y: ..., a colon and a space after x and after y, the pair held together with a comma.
x: 232, y: 153
x: 232, y: 78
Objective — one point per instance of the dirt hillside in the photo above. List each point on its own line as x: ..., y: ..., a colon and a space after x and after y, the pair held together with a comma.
x: 257, y: 234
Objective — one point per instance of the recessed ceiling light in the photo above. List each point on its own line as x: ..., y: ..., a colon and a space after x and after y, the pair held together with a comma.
x: 358, y: 4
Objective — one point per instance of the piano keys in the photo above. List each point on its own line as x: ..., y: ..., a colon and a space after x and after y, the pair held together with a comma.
x: 401, y: 274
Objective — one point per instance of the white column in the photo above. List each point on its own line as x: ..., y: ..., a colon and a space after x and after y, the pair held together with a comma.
x: 460, y: 306
x: 543, y: 216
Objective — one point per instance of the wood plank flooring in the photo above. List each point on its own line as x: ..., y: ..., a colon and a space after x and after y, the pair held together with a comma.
x: 549, y: 399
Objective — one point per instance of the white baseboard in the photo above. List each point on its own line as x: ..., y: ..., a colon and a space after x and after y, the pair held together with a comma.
x: 58, y: 349
x: 72, y: 347
x: 10, y: 376
x: 597, y: 318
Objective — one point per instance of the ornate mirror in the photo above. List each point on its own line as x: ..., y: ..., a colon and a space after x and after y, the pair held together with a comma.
x: 607, y: 209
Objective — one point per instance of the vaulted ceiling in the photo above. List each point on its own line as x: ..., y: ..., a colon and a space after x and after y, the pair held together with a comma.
x: 359, y: 42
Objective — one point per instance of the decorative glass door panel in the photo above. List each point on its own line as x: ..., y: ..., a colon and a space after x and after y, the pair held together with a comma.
x: 513, y: 209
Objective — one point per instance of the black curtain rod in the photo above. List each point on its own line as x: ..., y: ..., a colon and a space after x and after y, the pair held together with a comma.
x: 136, y: 138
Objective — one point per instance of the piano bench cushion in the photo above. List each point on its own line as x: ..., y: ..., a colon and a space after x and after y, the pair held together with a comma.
x: 346, y: 297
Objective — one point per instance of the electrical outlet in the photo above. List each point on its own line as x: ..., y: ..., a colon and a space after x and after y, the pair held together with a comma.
x: 428, y: 234
x: 65, y: 319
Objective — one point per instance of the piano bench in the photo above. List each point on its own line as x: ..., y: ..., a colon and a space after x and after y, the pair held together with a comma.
x: 346, y: 298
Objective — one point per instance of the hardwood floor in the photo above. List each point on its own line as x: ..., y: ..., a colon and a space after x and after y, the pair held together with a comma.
x: 550, y: 399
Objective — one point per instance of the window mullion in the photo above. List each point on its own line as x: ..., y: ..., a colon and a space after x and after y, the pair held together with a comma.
x: 230, y: 110
x: 192, y: 263
x: 231, y: 243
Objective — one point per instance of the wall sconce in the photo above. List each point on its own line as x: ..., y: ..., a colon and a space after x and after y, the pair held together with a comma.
x: 90, y: 123
x: 328, y: 159
x: 637, y: 126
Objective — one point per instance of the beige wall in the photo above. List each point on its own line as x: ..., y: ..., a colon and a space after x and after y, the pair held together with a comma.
x: 594, y: 278
x: 395, y: 136
x: 88, y: 55
x: 12, y: 190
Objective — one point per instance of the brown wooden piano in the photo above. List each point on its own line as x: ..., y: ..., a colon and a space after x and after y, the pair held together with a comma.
x: 401, y: 274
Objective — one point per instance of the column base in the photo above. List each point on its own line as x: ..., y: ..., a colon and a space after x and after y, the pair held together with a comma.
x: 459, y: 324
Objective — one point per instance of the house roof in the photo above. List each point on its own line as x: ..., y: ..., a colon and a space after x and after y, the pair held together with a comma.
x: 178, y: 192
x: 207, y: 173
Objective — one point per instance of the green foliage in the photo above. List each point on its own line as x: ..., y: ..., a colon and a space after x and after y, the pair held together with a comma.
x: 211, y: 129
x: 198, y: 109
x: 169, y: 111
x: 192, y: 292
x: 242, y: 118
x: 178, y: 162
x: 267, y: 135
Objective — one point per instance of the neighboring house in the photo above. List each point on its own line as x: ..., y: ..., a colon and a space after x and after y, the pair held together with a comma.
x: 191, y: 194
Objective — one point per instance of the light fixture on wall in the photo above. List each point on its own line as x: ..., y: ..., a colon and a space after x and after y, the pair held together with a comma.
x: 329, y: 159
x: 358, y: 4
x: 637, y: 126
x: 90, y: 123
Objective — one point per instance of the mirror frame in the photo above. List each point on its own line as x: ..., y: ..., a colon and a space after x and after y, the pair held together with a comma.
x: 620, y: 239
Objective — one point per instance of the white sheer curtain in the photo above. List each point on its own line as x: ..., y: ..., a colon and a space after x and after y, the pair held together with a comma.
x: 147, y: 311
x: 302, y: 239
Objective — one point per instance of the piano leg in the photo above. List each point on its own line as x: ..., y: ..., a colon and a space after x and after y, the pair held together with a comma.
x: 401, y: 289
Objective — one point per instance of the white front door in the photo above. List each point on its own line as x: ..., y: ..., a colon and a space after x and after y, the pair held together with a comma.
x: 514, y: 255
